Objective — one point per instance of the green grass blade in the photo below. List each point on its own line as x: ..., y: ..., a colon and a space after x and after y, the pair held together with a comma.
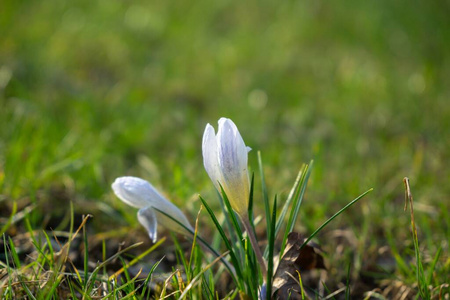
x: 55, y: 284
x: 15, y: 257
x: 233, y: 257
x: 420, y: 273
x: 27, y: 290
x: 232, y: 216
x: 206, y: 288
x: 50, y: 248
x: 251, y: 277
x: 205, y: 243
x: 264, y: 191
x: 197, y: 277
x: 17, y: 263
x: 250, y: 198
x: 433, y: 266
x: 334, y: 216
x: 116, y: 255
x: 271, y: 247
x: 72, y: 217
x: 292, y: 194
x: 147, y: 280
x: 86, y: 256
x: 347, y: 286
x: 180, y: 257
x: 72, y: 291
x: 8, y: 268
x: 233, y: 236
x: 235, y: 228
x: 298, y: 199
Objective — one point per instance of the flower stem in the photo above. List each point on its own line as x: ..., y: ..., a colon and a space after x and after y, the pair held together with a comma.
x: 255, y: 245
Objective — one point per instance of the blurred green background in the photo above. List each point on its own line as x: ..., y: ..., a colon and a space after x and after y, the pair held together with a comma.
x: 93, y: 90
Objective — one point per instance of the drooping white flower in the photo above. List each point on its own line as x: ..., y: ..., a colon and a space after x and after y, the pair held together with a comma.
x: 141, y: 194
x: 225, y: 159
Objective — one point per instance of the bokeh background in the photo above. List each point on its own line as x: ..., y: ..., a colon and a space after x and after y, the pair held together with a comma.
x: 93, y: 90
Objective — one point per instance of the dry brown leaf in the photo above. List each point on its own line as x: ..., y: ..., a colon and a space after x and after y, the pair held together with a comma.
x: 286, y: 283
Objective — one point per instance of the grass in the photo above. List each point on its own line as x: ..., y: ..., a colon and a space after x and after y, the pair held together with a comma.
x: 93, y: 91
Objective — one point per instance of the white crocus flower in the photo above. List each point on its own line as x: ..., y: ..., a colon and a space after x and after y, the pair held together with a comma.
x: 225, y: 160
x: 141, y: 194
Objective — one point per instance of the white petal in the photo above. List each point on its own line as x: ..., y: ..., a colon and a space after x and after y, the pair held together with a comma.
x: 147, y: 218
x: 171, y: 224
x: 136, y: 192
x: 233, y: 157
x: 232, y: 152
x: 209, y: 151
x: 172, y: 210
x: 141, y: 194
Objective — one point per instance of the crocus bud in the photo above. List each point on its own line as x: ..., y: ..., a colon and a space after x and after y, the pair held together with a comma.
x: 141, y: 194
x: 225, y: 160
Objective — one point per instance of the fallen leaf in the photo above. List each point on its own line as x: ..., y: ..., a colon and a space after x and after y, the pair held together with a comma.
x: 295, y: 260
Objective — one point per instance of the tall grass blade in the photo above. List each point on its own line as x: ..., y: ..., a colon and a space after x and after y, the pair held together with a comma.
x: 230, y: 268
x: 237, y: 273
x: 8, y: 268
x: 264, y: 191
x: 250, y: 197
x: 195, y: 279
x: 235, y: 229
x: 233, y: 235
x: 12, y: 250
x: 420, y: 274
x: 298, y: 199
x: 232, y: 216
x: 271, y: 247
x: 55, y: 284
x: 289, y: 199
x: 147, y: 280
x: 433, y: 266
x: 192, y: 256
x: 50, y: 248
x: 293, y: 192
x: 333, y: 217
x: 347, y: 286
x: 86, y: 255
